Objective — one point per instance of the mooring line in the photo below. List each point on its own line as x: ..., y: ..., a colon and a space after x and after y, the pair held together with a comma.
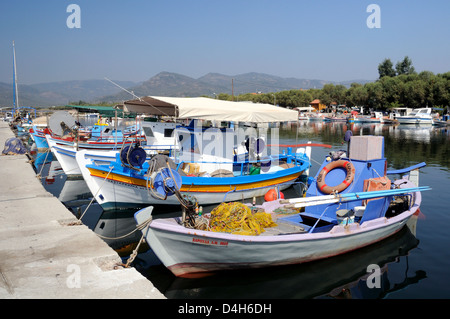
x: 112, y: 167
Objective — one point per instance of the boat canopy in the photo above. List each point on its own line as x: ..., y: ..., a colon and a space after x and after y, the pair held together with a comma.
x: 203, y: 108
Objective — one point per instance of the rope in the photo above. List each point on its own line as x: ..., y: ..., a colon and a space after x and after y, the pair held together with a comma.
x: 79, y: 219
x: 45, y: 161
x: 141, y: 227
x: 137, y: 97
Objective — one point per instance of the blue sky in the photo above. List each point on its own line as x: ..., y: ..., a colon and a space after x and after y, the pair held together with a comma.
x: 136, y: 39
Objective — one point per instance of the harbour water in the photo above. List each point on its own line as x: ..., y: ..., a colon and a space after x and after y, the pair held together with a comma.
x: 413, y: 264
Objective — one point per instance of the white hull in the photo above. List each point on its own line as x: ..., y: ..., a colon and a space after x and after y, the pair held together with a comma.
x: 418, y: 116
x: 188, y: 252
x: 414, y: 120
x: 66, y: 156
x: 114, y: 194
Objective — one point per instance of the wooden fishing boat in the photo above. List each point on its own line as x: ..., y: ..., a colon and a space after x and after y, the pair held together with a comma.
x: 335, y: 119
x: 154, y: 138
x: 212, y: 179
x: 97, y: 133
x: 366, y: 209
x: 38, y: 136
x: 209, y: 161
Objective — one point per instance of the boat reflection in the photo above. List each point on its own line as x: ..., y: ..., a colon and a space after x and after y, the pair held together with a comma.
x: 75, y: 193
x: 118, y: 230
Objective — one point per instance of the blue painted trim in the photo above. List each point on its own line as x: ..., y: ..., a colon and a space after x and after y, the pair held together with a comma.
x: 407, y: 169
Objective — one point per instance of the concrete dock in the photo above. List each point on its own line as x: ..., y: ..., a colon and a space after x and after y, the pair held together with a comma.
x: 42, y: 255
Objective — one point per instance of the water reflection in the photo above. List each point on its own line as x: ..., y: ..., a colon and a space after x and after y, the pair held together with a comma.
x: 404, y: 144
x: 339, y: 277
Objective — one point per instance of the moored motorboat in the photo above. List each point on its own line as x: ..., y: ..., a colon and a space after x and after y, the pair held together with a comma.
x: 335, y: 118
x: 417, y: 116
x: 444, y: 121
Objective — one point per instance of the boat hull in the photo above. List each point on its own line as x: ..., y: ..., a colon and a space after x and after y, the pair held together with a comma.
x: 418, y: 116
x: 191, y: 253
x: 40, y: 141
x: 414, y: 120
x: 66, y: 156
x: 117, y: 190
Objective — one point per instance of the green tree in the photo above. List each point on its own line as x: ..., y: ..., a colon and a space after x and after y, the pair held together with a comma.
x: 326, y: 94
x: 224, y: 96
x: 375, y: 98
x: 357, y: 95
x: 414, y: 94
x: 405, y: 66
x: 386, y: 68
x: 392, y: 90
x: 440, y: 91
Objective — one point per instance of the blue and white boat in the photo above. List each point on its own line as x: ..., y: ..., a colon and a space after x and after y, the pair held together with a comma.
x: 127, y: 183
x: 362, y: 209
x: 38, y: 136
x: 103, y: 140
x: 417, y: 116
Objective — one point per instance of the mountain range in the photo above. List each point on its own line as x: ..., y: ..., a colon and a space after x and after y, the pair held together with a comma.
x: 162, y: 84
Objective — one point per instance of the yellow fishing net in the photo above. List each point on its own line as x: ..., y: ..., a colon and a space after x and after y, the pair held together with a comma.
x: 237, y: 218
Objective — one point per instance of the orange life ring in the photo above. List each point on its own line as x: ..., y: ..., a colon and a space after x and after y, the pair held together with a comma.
x: 324, y: 188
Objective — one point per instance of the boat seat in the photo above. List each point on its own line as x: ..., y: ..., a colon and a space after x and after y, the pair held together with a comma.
x: 376, y: 208
x: 324, y: 218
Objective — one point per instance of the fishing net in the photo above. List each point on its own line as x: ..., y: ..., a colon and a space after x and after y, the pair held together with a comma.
x: 237, y: 218
x: 14, y: 146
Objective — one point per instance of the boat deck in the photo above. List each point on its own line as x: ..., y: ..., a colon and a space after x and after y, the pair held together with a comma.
x: 283, y: 228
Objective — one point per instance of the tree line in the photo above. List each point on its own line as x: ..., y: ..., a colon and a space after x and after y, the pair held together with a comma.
x: 401, y: 86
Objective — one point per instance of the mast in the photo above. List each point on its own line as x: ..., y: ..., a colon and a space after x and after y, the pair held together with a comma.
x: 15, y: 90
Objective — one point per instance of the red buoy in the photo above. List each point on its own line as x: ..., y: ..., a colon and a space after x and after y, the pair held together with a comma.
x: 272, y: 195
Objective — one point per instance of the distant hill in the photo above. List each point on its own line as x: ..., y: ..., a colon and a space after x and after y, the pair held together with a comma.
x: 165, y: 84
x: 59, y: 93
x: 260, y: 82
x: 173, y: 84
x: 162, y: 84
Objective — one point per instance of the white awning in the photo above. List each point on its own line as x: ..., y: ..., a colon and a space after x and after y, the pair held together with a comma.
x: 210, y: 109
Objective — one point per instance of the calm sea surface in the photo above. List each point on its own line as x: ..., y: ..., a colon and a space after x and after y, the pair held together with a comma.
x: 415, y: 263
